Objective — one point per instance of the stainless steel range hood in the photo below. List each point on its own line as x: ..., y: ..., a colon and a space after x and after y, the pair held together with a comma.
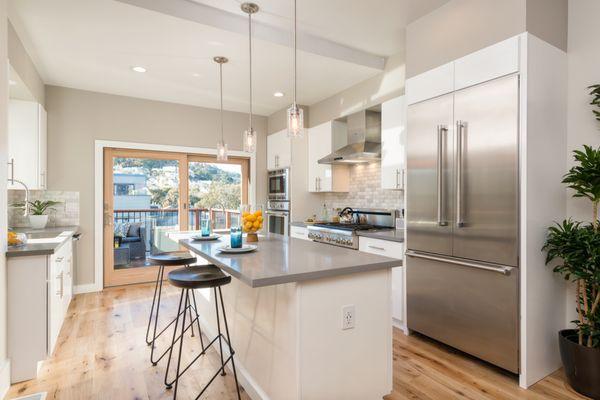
x: 364, y: 140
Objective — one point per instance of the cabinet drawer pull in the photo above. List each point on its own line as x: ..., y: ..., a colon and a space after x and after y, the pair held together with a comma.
x: 376, y: 248
x: 59, y: 259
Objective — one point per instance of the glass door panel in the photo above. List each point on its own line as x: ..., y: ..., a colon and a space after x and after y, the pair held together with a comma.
x: 145, y: 208
x: 215, y: 189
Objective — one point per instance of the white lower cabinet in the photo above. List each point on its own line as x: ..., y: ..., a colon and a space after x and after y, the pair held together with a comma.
x: 40, y: 289
x: 390, y: 249
x: 299, y: 232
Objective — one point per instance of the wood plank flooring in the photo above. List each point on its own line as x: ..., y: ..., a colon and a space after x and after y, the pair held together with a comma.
x: 101, y: 354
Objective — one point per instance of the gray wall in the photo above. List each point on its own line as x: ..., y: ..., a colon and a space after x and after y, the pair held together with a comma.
x: 461, y: 27
x: 458, y: 28
x: 548, y: 20
x: 77, y: 118
x: 22, y: 63
x: 3, y: 177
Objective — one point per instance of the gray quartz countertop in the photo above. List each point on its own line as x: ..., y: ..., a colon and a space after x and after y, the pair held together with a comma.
x: 42, y: 241
x: 281, y: 259
x: 393, y: 235
x: 298, y: 223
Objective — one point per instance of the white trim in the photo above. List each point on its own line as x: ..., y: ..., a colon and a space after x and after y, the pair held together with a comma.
x: 523, y: 211
x: 99, y: 147
x: 86, y: 288
x: 4, y: 378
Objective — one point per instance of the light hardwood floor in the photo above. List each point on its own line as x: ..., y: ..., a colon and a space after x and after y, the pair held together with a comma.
x: 101, y: 354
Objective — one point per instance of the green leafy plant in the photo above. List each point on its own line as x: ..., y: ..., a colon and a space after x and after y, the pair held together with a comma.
x: 574, y: 247
x: 38, y: 207
x: 595, y: 92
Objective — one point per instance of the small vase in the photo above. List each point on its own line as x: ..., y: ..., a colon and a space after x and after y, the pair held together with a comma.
x: 38, y: 221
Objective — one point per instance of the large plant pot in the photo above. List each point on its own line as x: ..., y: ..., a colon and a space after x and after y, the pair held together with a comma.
x: 582, y: 364
x: 38, y: 221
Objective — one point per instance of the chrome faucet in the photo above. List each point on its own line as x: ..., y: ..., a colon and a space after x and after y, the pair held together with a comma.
x: 12, y: 181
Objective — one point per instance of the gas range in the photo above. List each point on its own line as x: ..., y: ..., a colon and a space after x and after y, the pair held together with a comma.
x: 345, y: 234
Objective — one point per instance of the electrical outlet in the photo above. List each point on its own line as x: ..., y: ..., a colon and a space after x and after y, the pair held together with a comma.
x: 348, y: 317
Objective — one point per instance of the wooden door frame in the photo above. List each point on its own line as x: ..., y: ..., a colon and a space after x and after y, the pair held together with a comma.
x: 111, y: 277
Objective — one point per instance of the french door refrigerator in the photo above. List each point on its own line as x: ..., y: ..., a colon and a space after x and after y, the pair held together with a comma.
x: 462, y: 221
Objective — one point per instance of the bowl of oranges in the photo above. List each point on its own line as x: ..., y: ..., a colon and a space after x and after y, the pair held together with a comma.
x: 251, y: 221
x: 16, y: 239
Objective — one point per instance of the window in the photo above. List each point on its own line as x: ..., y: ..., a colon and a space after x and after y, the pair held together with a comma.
x: 124, y: 189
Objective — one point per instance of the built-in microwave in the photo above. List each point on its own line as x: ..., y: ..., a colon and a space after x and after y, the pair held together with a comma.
x: 278, y: 185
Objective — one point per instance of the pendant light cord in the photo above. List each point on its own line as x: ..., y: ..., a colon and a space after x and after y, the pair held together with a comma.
x: 295, y: 51
x: 221, y: 85
x: 250, y: 55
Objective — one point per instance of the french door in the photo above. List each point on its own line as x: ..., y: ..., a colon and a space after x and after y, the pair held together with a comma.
x: 148, y: 195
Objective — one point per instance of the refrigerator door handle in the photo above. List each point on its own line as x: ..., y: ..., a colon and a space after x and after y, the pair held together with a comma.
x: 501, y: 270
x: 441, y: 129
x: 460, y: 125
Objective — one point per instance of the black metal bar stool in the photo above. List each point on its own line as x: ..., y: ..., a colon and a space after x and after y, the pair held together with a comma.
x: 176, y: 258
x: 188, y: 279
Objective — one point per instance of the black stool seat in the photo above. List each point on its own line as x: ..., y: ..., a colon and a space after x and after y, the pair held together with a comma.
x: 172, y: 258
x: 198, y: 277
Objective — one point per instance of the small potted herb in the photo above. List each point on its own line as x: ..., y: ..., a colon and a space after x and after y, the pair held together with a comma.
x: 574, y: 250
x: 37, y: 211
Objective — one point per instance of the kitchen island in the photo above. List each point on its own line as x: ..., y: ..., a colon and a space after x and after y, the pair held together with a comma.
x: 285, y: 307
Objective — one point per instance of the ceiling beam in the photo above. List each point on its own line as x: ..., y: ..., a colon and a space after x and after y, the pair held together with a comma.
x: 217, y: 18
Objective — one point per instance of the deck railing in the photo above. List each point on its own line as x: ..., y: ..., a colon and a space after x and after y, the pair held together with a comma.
x: 222, y: 219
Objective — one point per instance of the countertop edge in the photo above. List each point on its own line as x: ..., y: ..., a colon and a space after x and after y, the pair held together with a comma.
x: 381, y: 235
x: 23, y: 252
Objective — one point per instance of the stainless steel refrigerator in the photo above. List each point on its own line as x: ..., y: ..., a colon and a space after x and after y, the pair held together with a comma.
x: 463, y: 220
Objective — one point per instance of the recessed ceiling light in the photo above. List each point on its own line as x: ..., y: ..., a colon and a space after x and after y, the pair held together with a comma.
x: 214, y: 43
x: 196, y: 75
x: 138, y: 69
x: 11, y: 82
x: 278, y: 94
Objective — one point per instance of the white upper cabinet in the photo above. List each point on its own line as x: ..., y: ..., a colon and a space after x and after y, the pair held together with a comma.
x: 279, y: 150
x: 323, y: 140
x: 481, y: 66
x: 430, y: 84
x: 393, y: 139
x: 27, y: 144
x: 487, y: 64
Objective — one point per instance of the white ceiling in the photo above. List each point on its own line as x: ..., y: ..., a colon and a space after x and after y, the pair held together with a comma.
x: 373, y: 26
x: 91, y: 45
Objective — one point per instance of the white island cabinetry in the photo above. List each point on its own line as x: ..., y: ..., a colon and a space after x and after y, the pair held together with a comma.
x: 285, y: 308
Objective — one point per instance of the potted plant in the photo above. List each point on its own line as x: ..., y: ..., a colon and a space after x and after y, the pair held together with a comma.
x: 37, y: 208
x: 574, y: 249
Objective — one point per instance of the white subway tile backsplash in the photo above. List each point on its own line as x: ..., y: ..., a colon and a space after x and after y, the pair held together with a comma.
x: 64, y: 214
x: 365, y: 190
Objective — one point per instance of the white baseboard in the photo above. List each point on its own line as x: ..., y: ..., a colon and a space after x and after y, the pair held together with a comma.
x: 400, y: 325
x: 86, y: 288
x: 4, y: 377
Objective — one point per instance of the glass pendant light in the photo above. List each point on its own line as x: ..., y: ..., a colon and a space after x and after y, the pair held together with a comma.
x: 221, y: 145
x: 250, y: 133
x: 295, y: 115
